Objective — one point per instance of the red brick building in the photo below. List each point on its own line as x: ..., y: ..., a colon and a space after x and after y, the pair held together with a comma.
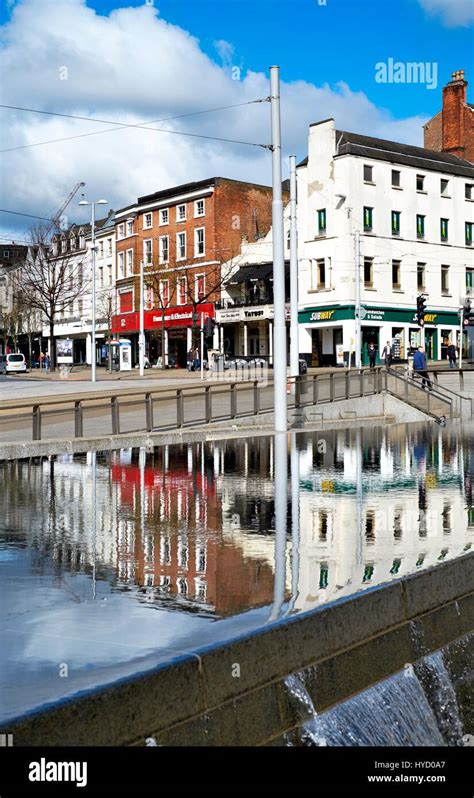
x: 183, y: 235
x: 452, y: 130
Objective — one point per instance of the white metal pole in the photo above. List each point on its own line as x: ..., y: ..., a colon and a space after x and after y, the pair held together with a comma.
x: 281, y: 508
x: 294, y: 348
x: 93, y: 354
x: 202, y: 346
x: 357, y: 302
x: 279, y: 348
x: 141, y: 342
x: 295, y: 523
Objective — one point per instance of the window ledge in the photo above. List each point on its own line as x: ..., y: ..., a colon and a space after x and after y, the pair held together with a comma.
x: 445, y: 294
x: 469, y: 199
x: 398, y: 290
x: 445, y: 196
x: 421, y: 191
x: 369, y: 288
x: 397, y: 188
x: 369, y: 183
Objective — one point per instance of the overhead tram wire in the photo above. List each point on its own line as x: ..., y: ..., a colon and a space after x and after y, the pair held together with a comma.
x: 139, y: 126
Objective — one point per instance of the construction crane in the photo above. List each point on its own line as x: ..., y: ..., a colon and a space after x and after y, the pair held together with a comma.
x: 56, y: 220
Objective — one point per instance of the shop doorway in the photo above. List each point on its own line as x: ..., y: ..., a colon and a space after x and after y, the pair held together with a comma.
x: 370, y: 335
x: 431, y: 344
x: 79, y: 350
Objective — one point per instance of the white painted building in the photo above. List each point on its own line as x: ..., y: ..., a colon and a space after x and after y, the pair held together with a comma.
x: 75, y: 322
x: 414, y: 210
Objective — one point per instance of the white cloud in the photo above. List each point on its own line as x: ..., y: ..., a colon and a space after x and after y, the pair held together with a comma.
x: 133, y: 66
x: 453, y: 12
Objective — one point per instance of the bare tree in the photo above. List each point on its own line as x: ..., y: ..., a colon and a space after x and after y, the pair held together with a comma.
x: 107, y: 308
x: 51, y: 277
x: 215, y: 278
x: 162, y: 281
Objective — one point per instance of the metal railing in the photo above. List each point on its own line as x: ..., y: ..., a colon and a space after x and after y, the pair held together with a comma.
x: 136, y: 411
x: 430, y: 400
x: 128, y: 412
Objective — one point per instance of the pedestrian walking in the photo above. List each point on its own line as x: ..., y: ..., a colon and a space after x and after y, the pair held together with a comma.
x: 387, y: 354
x: 197, y: 362
x: 420, y: 367
x: 41, y: 360
x: 452, y: 356
x: 372, y: 352
x: 46, y: 363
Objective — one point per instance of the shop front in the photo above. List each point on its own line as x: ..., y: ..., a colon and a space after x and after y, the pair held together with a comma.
x: 324, y: 332
x: 247, y: 331
x: 169, y: 335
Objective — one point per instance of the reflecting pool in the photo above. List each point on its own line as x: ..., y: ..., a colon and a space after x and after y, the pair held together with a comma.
x: 113, y: 562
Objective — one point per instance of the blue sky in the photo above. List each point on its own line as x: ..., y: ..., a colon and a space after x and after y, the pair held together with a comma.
x: 339, y: 41
x: 125, y: 60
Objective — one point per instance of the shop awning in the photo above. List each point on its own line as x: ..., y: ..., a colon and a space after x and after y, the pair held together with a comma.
x: 255, y: 272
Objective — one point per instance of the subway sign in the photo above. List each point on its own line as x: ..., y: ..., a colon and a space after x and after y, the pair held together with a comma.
x: 322, y: 315
x: 381, y: 315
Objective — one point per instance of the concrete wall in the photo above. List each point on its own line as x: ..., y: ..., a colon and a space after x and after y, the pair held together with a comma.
x: 198, y: 699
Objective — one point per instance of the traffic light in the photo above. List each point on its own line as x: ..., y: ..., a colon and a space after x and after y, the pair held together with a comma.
x: 466, y: 312
x: 208, y: 327
x: 420, y: 309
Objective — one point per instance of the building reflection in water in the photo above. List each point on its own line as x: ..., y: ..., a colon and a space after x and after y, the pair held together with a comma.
x: 191, y: 528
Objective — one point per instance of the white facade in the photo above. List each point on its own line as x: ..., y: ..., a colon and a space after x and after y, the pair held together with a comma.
x: 76, y: 321
x: 351, y: 183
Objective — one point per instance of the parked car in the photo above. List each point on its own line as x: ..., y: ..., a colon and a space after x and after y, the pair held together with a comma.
x: 13, y: 364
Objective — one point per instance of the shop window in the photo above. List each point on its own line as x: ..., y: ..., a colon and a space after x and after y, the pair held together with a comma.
x: 368, y: 272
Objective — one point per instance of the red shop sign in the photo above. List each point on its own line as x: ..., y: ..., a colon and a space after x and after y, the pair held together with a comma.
x: 174, y: 317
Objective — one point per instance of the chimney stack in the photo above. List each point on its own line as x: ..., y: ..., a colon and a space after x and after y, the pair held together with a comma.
x: 453, y: 115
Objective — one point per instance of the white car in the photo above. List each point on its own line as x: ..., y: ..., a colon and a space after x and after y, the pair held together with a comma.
x: 12, y: 364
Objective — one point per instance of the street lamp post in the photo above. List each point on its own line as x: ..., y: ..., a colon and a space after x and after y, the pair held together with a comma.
x: 93, y: 310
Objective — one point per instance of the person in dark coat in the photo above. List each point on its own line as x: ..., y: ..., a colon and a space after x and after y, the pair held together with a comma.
x: 372, y: 352
x: 420, y: 366
x: 452, y: 356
